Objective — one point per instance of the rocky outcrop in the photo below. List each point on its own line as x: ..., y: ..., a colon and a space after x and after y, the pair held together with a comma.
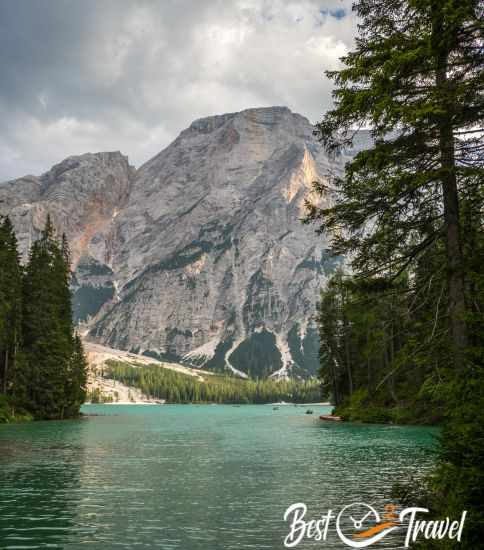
x: 199, y: 256
x: 83, y: 194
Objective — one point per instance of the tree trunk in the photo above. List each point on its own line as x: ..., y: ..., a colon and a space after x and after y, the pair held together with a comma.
x: 390, y: 359
x: 455, y: 271
x: 347, y: 346
x: 455, y: 268
x: 391, y: 380
x: 336, y: 397
x: 368, y: 364
x: 5, y: 372
x: 348, y: 360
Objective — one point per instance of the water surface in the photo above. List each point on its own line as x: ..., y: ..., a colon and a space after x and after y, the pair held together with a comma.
x: 193, y: 477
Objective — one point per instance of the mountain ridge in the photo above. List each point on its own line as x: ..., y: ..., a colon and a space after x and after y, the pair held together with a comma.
x: 198, y: 255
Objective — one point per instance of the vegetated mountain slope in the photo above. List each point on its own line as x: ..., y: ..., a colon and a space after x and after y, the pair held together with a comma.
x: 199, y: 256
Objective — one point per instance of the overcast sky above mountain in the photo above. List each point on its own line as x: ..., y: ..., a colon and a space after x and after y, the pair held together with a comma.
x: 94, y: 75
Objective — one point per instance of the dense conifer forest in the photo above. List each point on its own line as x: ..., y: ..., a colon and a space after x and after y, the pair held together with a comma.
x: 174, y: 387
x: 42, y: 363
x: 402, y: 328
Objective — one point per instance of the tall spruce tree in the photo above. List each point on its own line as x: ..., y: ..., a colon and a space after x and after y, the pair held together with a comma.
x: 76, y: 379
x: 47, y: 326
x: 10, y: 305
x: 416, y: 79
x: 409, y: 210
x: 43, y: 369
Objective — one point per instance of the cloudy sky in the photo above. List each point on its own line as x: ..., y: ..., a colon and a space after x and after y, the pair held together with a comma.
x: 105, y: 75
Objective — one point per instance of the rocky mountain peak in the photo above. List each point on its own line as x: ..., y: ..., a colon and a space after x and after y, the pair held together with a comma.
x: 262, y: 115
x: 199, y: 255
x: 81, y: 193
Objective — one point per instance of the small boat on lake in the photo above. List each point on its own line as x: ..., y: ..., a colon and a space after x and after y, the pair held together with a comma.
x: 331, y: 417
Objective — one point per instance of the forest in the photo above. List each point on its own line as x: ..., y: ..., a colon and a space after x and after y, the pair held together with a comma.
x: 402, y: 324
x: 175, y: 387
x: 43, y: 369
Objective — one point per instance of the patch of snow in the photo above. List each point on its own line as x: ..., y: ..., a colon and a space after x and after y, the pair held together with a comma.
x: 287, y: 362
x: 228, y: 364
x: 116, y: 291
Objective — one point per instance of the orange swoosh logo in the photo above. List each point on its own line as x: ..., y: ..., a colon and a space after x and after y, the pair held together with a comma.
x: 374, y: 530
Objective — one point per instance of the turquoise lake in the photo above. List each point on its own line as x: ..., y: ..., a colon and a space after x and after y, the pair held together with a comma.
x: 194, y: 477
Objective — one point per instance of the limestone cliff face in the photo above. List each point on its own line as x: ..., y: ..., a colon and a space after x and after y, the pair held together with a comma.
x: 202, y: 248
x: 83, y: 194
x: 214, y: 265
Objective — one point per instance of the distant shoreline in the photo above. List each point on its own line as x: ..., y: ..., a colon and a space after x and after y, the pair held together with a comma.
x: 284, y: 404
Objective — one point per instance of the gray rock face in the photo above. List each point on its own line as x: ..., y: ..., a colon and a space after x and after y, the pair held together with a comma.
x: 83, y: 195
x: 200, y: 254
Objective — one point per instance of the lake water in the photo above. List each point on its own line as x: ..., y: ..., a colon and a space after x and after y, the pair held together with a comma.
x: 193, y: 477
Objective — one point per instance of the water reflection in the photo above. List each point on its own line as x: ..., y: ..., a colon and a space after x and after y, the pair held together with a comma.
x: 38, y: 482
x: 191, y: 477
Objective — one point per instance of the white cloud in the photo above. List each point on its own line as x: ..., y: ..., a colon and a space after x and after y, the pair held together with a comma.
x: 131, y: 75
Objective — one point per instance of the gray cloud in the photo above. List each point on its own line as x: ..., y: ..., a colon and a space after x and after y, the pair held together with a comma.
x: 130, y: 75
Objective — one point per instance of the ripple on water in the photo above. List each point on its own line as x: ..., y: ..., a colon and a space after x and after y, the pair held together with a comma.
x: 192, y: 477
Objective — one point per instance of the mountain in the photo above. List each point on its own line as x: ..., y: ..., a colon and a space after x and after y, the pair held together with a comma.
x: 199, y: 256
x: 83, y: 195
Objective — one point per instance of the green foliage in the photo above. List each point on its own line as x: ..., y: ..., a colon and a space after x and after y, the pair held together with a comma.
x: 96, y: 396
x: 10, y: 305
x: 458, y: 483
x: 384, y: 347
x: 416, y: 78
x: 175, y: 387
x: 44, y: 368
x: 402, y: 338
x: 356, y: 410
x: 76, y: 379
x: 10, y: 413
